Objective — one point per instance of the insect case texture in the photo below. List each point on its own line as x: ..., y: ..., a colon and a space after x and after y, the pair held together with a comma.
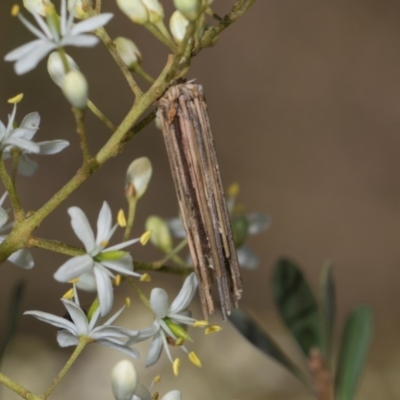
x: 190, y: 147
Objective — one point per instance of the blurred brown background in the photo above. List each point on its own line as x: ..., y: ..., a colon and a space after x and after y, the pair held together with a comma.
x: 304, y: 98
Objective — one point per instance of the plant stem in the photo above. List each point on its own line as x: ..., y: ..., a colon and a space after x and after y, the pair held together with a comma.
x: 166, y: 268
x: 81, y: 131
x: 56, y: 246
x: 83, y: 341
x: 172, y: 254
x: 16, y: 388
x: 131, y: 217
x: 159, y: 35
x: 93, y: 108
x: 136, y: 288
x: 141, y: 72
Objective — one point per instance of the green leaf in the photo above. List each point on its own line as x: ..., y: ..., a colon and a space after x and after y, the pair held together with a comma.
x: 262, y: 341
x: 296, y: 304
x: 13, y: 316
x: 327, y: 289
x: 356, y: 339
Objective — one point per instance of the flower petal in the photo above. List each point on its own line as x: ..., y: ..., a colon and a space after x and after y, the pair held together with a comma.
x: 258, y: 222
x: 176, y: 227
x: 91, y: 24
x: 74, y: 268
x: 127, y: 350
x: 82, y: 228
x: 80, y: 41
x: 78, y: 317
x: 22, y: 258
x: 123, y: 244
x: 54, y: 320
x: 247, y: 258
x: 23, y: 50
x: 159, y: 302
x: 142, y: 393
x: 24, y: 145
x: 172, y: 395
x: 87, y: 282
x: 32, y: 59
x: 104, y: 291
x: 65, y: 339
x: 52, y: 146
x: 26, y: 166
x: 186, y: 294
x: 104, y: 223
x: 155, y: 350
x: 124, y: 265
x: 31, y: 121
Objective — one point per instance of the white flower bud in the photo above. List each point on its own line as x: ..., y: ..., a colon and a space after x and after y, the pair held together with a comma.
x: 37, y: 6
x: 124, y: 380
x: 160, y: 234
x: 75, y: 88
x: 191, y: 9
x: 135, y: 10
x: 128, y: 51
x: 55, y: 67
x: 77, y: 8
x: 172, y: 395
x: 177, y: 25
x: 157, y: 122
x: 155, y: 9
x: 138, y: 176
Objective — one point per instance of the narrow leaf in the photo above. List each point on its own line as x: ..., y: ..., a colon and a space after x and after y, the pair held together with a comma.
x: 356, y: 339
x: 13, y: 316
x: 327, y: 289
x: 262, y: 341
x: 296, y: 304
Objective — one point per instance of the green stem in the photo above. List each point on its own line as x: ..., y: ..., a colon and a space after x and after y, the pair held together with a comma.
x: 81, y: 131
x: 141, y: 295
x: 16, y: 388
x: 132, y: 201
x: 172, y: 254
x: 159, y: 35
x: 56, y: 246
x: 83, y: 341
x: 166, y: 268
x: 141, y: 72
x: 93, y: 108
x: 19, y: 213
x: 63, y: 55
x: 103, y: 35
x: 16, y: 153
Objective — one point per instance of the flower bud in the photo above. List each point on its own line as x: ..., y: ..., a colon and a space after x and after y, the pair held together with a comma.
x: 37, y: 6
x: 135, y: 10
x: 128, y: 51
x: 55, y: 67
x: 124, y: 380
x: 172, y: 395
x: 78, y: 8
x: 137, y: 177
x: 75, y: 88
x: 177, y: 25
x: 240, y: 229
x: 155, y: 9
x: 161, y: 236
x: 191, y: 9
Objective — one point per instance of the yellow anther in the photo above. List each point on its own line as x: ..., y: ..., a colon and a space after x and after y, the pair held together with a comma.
x: 145, y: 277
x: 104, y: 243
x: 128, y: 302
x: 194, y: 359
x: 69, y: 295
x: 157, y: 379
x: 155, y: 396
x: 179, y: 342
x: 117, y: 280
x: 73, y: 281
x: 16, y: 99
x: 121, y: 218
x: 233, y: 190
x: 145, y: 238
x: 201, y: 324
x: 176, y: 365
x: 15, y: 10
x: 48, y: 9
x: 212, y: 329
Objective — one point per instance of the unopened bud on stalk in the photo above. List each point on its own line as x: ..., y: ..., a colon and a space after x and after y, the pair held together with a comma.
x: 37, y: 6
x: 161, y: 236
x: 191, y: 9
x: 78, y: 8
x: 75, y: 88
x: 128, y: 51
x: 178, y: 25
x: 124, y: 380
x: 155, y: 10
x: 56, y: 68
x: 135, y: 10
x: 137, y: 177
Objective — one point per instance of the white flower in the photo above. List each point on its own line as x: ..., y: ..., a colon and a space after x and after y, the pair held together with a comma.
x: 78, y: 325
x: 135, y: 10
x: 38, y: 6
x: 178, y: 25
x: 128, y: 51
x: 21, y: 138
x: 98, y: 260
x: 22, y: 258
x: 53, y: 35
x: 138, y: 176
x: 142, y: 393
x: 168, y: 320
x: 75, y: 89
